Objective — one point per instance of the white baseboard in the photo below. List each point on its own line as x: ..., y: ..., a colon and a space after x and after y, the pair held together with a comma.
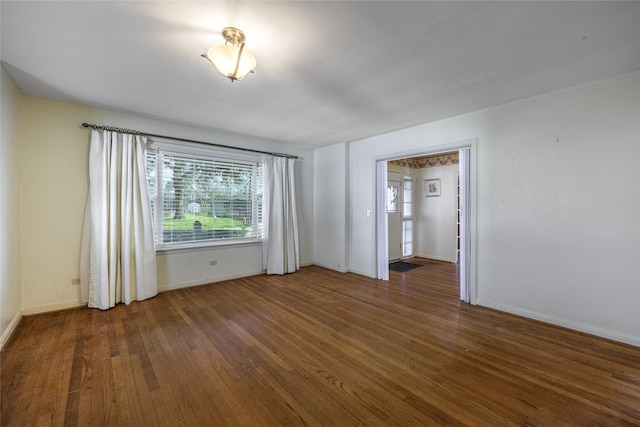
x: 435, y: 257
x: 53, y: 307
x: 565, y: 323
x: 332, y: 267
x: 161, y: 288
x: 13, y: 325
x: 363, y: 273
x: 204, y: 281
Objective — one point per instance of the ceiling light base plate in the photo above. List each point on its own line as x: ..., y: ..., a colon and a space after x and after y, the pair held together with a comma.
x: 233, y: 35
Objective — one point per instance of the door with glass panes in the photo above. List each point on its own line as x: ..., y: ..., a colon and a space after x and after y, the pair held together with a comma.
x: 400, y: 215
x: 407, y: 217
x: 394, y: 215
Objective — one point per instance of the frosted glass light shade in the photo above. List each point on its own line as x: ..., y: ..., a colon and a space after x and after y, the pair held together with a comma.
x: 225, y: 60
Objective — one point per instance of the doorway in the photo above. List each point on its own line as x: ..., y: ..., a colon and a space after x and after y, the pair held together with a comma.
x: 397, y: 225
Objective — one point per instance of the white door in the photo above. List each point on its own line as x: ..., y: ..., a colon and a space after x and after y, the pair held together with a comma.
x: 382, y: 235
x: 394, y: 215
x: 407, y: 218
x: 464, y: 218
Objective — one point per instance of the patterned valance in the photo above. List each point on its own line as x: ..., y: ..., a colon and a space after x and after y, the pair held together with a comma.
x: 428, y: 161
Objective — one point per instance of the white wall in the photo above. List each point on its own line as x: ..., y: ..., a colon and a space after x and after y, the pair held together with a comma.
x: 557, y: 203
x: 10, y: 291
x: 436, y: 220
x: 54, y: 191
x: 330, y: 203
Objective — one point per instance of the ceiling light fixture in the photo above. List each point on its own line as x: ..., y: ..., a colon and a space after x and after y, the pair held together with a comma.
x: 231, y: 60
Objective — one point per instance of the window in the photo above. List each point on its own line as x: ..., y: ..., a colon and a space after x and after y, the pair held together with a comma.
x: 407, y: 218
x: 392, y: 196
x: 196, y: 199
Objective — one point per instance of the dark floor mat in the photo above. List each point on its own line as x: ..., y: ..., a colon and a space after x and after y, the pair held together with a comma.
x: 402, y: 266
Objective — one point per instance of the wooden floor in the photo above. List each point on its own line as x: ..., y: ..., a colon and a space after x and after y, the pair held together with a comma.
x: 314, y: 348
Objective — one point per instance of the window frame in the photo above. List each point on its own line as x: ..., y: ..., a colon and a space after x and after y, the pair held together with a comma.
x: 408, y: 197
x: 200, y: 151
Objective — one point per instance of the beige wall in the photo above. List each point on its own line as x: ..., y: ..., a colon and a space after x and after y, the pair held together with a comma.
x: 54, y: 191
x: 10, y: 288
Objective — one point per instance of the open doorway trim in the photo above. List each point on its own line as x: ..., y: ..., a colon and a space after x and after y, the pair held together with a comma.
x: 382, y: 250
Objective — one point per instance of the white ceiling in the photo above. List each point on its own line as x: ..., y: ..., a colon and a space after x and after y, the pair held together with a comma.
x: 327, y: 72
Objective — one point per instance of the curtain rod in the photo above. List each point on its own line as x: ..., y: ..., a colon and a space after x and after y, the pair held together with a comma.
x: 136, y: 132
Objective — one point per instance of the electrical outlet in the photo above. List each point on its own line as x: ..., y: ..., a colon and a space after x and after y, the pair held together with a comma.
x: 75, y: 282
x: 214, y: 262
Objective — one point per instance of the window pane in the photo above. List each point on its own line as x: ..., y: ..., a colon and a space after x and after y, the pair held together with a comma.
x: 205, y: 199
x: 392, y: 198
x: 407, y: 238
x: 407, y: 220
x: 407, y: 208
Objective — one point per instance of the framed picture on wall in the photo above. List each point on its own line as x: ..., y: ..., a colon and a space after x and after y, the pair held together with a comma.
x: 432, y: 187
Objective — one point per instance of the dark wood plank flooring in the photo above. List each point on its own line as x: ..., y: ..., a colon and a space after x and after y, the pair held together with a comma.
x: 314, y: 348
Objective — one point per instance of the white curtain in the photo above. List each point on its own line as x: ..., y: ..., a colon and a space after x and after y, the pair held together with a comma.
x: 280, y: 217
x: 118, y: 260
x: 382, y: 221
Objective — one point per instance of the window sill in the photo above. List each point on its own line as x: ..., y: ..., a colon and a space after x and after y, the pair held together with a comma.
x: 208, y: 246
